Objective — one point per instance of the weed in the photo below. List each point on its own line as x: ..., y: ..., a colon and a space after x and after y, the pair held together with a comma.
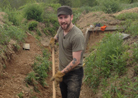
x: 31, y: 78
x: 32, y: 25
x: 4, y: 66
x: 20, y: 95
x: 16, y: 47
x: 135, y: 70
x: 38, y: 32
x: 135, y: 51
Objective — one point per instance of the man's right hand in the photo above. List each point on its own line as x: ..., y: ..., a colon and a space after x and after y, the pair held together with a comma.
x: 51, y: 43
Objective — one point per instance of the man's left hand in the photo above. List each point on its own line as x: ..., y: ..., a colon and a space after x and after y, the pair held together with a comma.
x: 58, y: 77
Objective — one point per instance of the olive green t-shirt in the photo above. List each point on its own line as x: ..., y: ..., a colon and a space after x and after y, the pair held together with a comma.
x: 73, y: 41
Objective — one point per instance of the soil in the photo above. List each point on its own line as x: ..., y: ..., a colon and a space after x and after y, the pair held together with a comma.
x: 19, y: 63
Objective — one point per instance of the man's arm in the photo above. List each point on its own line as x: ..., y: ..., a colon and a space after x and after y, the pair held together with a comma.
x: 73, y: 63
x: 55, y: 37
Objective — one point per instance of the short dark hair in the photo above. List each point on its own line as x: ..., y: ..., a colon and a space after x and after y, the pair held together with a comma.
x: 65, y: 10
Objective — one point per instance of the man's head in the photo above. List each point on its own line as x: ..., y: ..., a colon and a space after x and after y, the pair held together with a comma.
x: 64, y: 10
x: 65, y: 17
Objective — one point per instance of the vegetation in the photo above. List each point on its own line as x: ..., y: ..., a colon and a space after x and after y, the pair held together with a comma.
x: 33, y: 11
x: 32, y: 25
x: 20, y: 95
x: 109, y: 60
x: 11, y: 32
x: 40, y: 67
x: 129, y: 22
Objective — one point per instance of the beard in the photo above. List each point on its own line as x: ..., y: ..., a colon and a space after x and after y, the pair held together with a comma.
x: 65, y: 26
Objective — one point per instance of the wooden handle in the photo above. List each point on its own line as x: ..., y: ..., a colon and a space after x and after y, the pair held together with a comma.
x: 53, y: 71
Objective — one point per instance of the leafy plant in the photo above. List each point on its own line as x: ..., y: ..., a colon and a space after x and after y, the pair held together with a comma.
x: 32, y: 25
x: 31, y: 78
x: 20, y: 95
x: 38, y: 32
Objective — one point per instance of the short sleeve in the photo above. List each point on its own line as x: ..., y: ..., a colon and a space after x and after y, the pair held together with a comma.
x: 78, y: 43
x: 58, y: 31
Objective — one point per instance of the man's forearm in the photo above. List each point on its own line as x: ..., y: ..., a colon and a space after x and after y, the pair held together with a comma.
x: 70, y: 66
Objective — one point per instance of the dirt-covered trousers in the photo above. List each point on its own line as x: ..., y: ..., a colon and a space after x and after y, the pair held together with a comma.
x: 71, y: 85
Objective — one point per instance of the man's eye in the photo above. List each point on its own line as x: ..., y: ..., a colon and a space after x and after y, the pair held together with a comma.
x: 60, y: 17
x: 66, y: 16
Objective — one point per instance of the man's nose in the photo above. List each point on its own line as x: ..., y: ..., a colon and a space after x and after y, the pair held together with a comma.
x: 63, y: 20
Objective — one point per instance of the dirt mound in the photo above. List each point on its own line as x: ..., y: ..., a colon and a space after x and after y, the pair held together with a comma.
x: 96, y: 17
x: 132, y: 10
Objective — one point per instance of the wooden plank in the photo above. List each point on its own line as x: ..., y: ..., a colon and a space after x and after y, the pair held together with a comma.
x: 108, y: 28
x: 124, y: 36
x: 86, y: 38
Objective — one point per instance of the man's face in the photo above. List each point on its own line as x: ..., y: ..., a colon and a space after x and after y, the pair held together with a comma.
x: 65, y: 21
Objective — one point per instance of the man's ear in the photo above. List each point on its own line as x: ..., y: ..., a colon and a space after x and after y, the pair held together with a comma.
x: 71, y: 17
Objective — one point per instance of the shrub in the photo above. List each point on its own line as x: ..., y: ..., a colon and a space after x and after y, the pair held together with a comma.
x: 33, y: 11
x: 109, y: 57
x: 110, y: 6
x: 13, y: 15
x: 32, y: 25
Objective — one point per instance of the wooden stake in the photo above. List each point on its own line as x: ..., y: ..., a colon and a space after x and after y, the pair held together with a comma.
x: 53, y: 71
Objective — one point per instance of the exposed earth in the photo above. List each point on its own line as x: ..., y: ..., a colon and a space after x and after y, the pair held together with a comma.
x: 19, y: 63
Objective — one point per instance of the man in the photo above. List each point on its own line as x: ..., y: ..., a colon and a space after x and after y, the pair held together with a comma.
x: 71, y: 46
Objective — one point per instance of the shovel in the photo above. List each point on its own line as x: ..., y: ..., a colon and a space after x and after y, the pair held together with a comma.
x: 53, y: 71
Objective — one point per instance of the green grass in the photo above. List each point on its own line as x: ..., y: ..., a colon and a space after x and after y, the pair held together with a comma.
x: 125, y: 16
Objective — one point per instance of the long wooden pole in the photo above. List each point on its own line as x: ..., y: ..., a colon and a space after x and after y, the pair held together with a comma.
x: 53, y: 71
